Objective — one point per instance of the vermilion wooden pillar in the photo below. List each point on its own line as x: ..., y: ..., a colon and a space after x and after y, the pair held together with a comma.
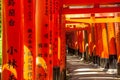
x: 63, y: 49
x: 95, y: 47
x: 117, y: 36
x: 98, y: 42
x: 79, y: 44
x: 44, y: 39
x: 82, y: 43
x: 111, y: 38
x: 105, y: 53
x: 89, y: 40
x: 92, y: 44
x: 51, y: 25
x: 76, y: 42
x: 56, y: 25
x: 111, y: 46
x: 55, y: 36
x: 105, y: 43
x: 29, y: 40
x: 59, y: 45
x: 94, y: 41
x: 12, y: 62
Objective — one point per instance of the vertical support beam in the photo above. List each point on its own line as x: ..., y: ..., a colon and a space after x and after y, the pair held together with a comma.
x: 117, y: 36
x: 12, y: 62
x: 111, y: 46
x: 96, y: 47
x: 63, y: 51
x: 90, y: 43
x: 79, y: 44
x: 44, y: 39
x: 89, y: 40
x: 86, y: 45
x: 83, y: 43
x: 56, y: 63
x: 59, y: 45
x: 99, y: 43
x: 79, y: 47
x: 29, y: 40
x: 51, y: 25
x: 105, y: 53
x: 75, y: 42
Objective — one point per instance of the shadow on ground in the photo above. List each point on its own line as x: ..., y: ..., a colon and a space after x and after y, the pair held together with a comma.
x: 79, y: 70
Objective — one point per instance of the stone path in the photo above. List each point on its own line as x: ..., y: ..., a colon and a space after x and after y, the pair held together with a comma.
x: 79, y: 70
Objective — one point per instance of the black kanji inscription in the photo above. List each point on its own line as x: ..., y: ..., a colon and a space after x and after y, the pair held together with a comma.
x: 11, y: 12
x: 12, y: 77
x: 11, y: 2
x: 12, y: 63
x: 12, y: 50
x: 11, y: 22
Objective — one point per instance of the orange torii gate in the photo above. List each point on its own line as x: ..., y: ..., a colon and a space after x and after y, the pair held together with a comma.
x: 21, y: 36
x: 106, y: 51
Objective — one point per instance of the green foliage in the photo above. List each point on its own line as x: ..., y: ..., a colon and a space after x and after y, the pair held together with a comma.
x: 0, y: 52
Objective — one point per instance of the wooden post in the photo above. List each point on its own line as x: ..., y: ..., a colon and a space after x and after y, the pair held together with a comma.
x: 63, y: 51
x: 112, y: 45
x: 44, y: 39
x: 56, y: 25
x: 105, y: 53
x: 117, y: 36
x: 12, y: 62
x: 29, y: 40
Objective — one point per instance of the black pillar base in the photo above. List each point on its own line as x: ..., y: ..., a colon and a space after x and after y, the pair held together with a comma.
x: 80, y: 54
x: 95, y: 59
x: 118, y: 69
x: 56, y: 73
x: 98, y: 60
x: 76, y: 52
x: 112, y: 61
x: 63, y: 75
x: 70, y: 51
x: 91, y: 57
x: 104, y: 62
x: 85, y: 56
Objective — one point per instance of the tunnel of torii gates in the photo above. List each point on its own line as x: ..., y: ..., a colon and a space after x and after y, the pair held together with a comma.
x: 35, y: 34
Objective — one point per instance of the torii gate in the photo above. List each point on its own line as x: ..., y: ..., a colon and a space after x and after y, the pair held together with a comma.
x: 13, y: 42
x: 69, y: 8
